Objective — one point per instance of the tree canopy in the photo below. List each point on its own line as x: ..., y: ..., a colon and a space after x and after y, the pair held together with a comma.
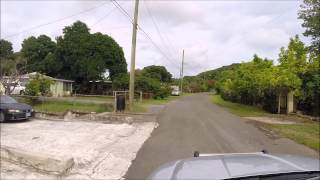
x: 6, y: 50
x: 37, y: 51
x: 310, y: 14
x: 77, y: 54
x: 85, y: 56
x: 157, y: 72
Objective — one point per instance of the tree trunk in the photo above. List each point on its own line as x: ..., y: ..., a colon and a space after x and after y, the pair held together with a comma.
x: 279, y: 103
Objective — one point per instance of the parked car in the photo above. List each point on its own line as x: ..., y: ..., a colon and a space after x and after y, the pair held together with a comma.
x: 240, y: 166
x: 10, y: 109
x: 175, y: 91
x: 17, y: 89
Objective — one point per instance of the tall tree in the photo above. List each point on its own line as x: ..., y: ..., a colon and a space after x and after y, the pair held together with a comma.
x: 86, y: 56
x: 36, y: 50
x: 6, y: 50
x: 310, y: 14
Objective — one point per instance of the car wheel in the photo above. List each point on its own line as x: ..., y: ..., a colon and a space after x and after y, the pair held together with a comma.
x: 2, y: 117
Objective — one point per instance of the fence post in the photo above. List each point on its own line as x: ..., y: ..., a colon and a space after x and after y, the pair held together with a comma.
x: 140, y: 96
x: 115, y: 101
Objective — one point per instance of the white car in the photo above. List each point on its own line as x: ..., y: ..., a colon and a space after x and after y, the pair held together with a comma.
x: 18, y: 89
x: 175, y: 93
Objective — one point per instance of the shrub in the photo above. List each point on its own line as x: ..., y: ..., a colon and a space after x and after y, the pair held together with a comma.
x: 121, y: 82
x: 39, y: 85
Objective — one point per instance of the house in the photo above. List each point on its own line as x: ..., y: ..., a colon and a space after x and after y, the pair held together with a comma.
x: 60, y: 87
x: 2, y: 89
x: 100, y: 87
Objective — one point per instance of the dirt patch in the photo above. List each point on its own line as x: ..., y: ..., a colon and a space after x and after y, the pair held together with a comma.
x: 271, y: 120
x: 263, y: 127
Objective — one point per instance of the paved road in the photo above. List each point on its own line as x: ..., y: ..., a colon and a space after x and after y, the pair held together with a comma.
x: 194, y: 123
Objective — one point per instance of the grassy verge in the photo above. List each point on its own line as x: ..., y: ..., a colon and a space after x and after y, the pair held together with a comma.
x: 238, y: 109
x: 63, y: 106
x: 304, y: 133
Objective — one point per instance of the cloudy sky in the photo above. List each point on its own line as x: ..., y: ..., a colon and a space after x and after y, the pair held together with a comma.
x: 212, y: 33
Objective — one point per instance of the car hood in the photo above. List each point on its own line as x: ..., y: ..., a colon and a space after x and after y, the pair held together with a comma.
x: 18, y: 106
x: 224, y: 166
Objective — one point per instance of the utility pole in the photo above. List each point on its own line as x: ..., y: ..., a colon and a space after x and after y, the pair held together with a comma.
x: 181, y: 73
x: 133, y: 54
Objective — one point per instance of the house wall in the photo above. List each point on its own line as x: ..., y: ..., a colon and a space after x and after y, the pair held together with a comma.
x: 57, y: 89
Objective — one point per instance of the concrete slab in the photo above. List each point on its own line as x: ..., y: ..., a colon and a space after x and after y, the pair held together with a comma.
x: 40, y: 161
x: 101, y: 151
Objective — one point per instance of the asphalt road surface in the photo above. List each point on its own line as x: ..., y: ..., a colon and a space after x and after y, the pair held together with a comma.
x: 193, y: 123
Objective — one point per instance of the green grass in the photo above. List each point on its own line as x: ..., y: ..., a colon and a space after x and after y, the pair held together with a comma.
x: 95, y: 98
x: 63, y: 106
x: 238, y: 109
x: 304, y: 133
x: 139, y: 107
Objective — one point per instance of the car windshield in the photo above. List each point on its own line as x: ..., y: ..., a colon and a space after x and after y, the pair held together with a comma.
x: 7, y: 100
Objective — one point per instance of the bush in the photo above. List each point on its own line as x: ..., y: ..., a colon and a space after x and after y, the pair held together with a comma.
x: 163, y: 92
x: 39, y: 85
x: 121, y: 82
x: 153, y: 86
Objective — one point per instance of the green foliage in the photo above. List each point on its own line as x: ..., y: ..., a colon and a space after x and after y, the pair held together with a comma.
x: 39, y: 85
x: 147, y: 84
x: 157, y: 72
x: 309, y: 99
x: 259, y: 82
x: 194, y: 84
x: 78, y: 55
x: 216, y: 73
x: 154, y: 86
x: 6, y: 50
x: 36, y: 51
x: 310, y: 14
x: 86, y: 56
x: 238, y: 109
x: 121, y: 82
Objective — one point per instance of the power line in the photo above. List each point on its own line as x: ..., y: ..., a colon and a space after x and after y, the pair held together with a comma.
x: 158, y: 29
x: 54, y: 21
x: 102, y: 18
x: 156, y: 46
x: 124, y: 12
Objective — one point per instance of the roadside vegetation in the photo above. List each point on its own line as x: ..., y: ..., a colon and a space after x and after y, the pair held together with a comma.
x: 304, y: 133
x: 237, y: 108
x: 262, y: 82
x: 64, y: 106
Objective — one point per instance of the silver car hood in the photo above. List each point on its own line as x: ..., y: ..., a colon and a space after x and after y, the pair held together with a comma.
x: 225, y: 166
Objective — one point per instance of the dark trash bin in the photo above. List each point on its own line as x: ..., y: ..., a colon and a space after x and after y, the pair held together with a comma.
x: 121, y: 103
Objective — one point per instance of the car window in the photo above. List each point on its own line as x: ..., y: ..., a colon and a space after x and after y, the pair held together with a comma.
x: 7, y: 100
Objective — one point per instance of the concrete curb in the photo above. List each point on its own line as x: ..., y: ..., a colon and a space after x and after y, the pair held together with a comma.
x: 40, y: 162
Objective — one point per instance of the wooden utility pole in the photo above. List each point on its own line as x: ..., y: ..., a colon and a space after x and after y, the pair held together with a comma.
x: 181, y: 73
x: 133, y: 54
